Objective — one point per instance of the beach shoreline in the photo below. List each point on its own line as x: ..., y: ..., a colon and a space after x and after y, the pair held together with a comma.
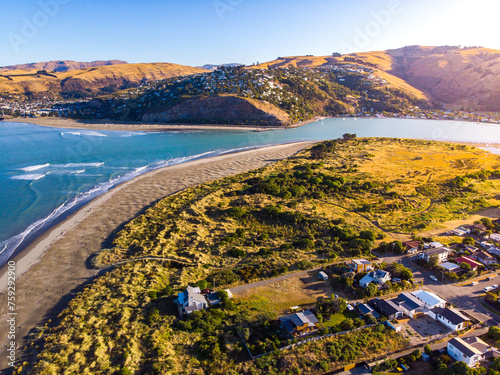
x: 67, y: 123
x: 54, y: 265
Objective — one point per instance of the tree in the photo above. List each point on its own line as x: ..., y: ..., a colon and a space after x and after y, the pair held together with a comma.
x: 371, y: 290
x: 367, y: 235
x: 339, y: 305
x: 397, y: 247
x: 468, y: 241
x: 465, y: 266
x: 427, y: 349
x: 433, y: 261
x: 406, y: 274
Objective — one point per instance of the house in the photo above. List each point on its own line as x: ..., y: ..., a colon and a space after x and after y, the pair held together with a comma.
x: 433, y: 245
x: 470, y: 248
x: 461, y: 231
x: 495, y: 237
x: 213, y: 298
x: 387, y: 308
x: 468, y: 260
x: 479, y: 227
x: 411, y: 246
x: 483, y: 257
x: 190, y: 300
x: 364, y: 308
x: 451, y: 267
x: 451, y: 318
x: 470, y: 350
x: 299, y: 324
x: 361, y: 265
x: 379, y: 277
x: 442, y: 253
x: 323, y: 276
x: 430, y: 299
x: 410, y: 304
x: 494, y: 250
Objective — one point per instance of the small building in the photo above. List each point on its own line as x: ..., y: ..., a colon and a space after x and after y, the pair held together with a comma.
x: 483, y: 257
x: 378, y: 277
x: 323, y: 276
x: 430, y: 299
x: 461, y: 231
x: 387, y: 308
x: 364, y: 308
x: 470, y: 350
x: 190, y: 300
x: 361, y: 265
x: 468, y: 260
x: 451, y: 267
x: 410, y: 304
x: 442, y: 253
x: 495, y: 237
x: 412, y: 247
x: 451, y: 318
x: 299, y: 324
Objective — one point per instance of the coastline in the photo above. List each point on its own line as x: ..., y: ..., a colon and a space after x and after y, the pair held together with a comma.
x: 67, y: 123
x: 54, y: 265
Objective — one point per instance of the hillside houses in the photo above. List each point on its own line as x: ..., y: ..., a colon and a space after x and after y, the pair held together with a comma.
x: 441, y: 252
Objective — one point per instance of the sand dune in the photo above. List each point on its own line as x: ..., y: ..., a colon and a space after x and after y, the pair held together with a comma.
x: 55, y: 265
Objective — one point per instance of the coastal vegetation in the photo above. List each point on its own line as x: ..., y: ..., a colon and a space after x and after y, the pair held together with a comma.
x: 331, y: 202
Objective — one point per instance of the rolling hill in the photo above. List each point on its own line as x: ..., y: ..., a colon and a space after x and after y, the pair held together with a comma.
x: 33, y: 83
x: 61, y: 65
x: 454, y: 77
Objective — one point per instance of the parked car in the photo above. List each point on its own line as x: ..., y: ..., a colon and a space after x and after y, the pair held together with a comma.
x: 473, y: 283
x: 434, y: 278
x: 487, y: 289
x: 494, y: 286
x: 491, y: 278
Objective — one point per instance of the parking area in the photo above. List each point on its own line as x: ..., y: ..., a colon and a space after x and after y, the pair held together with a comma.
x: 423, y: 329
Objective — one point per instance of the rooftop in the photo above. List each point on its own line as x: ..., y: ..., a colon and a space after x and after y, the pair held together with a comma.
x: 451, y: 315
x: 428, y: 297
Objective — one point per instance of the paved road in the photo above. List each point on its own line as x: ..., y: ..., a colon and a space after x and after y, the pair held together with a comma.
x: 465, y: 297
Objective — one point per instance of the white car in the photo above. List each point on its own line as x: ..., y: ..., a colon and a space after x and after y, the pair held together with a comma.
x: 487, y: 289
x: 494, y: 286
x: 433, y: 278
x: 473, y: 283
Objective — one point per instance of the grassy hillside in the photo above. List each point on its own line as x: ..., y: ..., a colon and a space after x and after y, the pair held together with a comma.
x: 458, y: 78
x: 325, y: 203
x: 61, y: 65
x: 34, y: 83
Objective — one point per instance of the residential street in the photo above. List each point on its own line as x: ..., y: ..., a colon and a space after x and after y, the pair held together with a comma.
x: 465, y: 297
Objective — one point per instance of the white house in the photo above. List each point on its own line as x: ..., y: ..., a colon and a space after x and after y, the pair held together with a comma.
x: 495, y: 237
x: 430, y: 299
x: 190, y: 300
x: 379, y: 277
x: 323, y: 276
x: 470, y: 350
x: 442, y: 253
x: 451, y: 318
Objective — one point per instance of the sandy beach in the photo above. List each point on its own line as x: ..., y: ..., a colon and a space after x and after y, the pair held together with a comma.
x: 54, y: 266
x: 58, y: 122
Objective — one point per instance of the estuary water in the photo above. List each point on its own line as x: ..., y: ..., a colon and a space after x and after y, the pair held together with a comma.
x: 47, y: 173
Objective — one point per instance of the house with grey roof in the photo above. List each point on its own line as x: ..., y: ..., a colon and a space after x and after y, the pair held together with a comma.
x: 190, y: 300
x: 299, y: 324
x: 379, y: 277
x: 470, y: 350
x: 386, y: 307
x: 451, y: 318
x: 410, y: 304
x: 430, y: 299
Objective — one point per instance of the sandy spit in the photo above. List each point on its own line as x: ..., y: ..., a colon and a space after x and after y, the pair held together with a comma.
x: 54, y: 266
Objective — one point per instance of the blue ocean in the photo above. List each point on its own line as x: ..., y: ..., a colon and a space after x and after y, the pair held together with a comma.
x: 47, y: 173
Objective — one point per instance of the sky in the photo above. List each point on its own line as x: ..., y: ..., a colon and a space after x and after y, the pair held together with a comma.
x: 197, y: 32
